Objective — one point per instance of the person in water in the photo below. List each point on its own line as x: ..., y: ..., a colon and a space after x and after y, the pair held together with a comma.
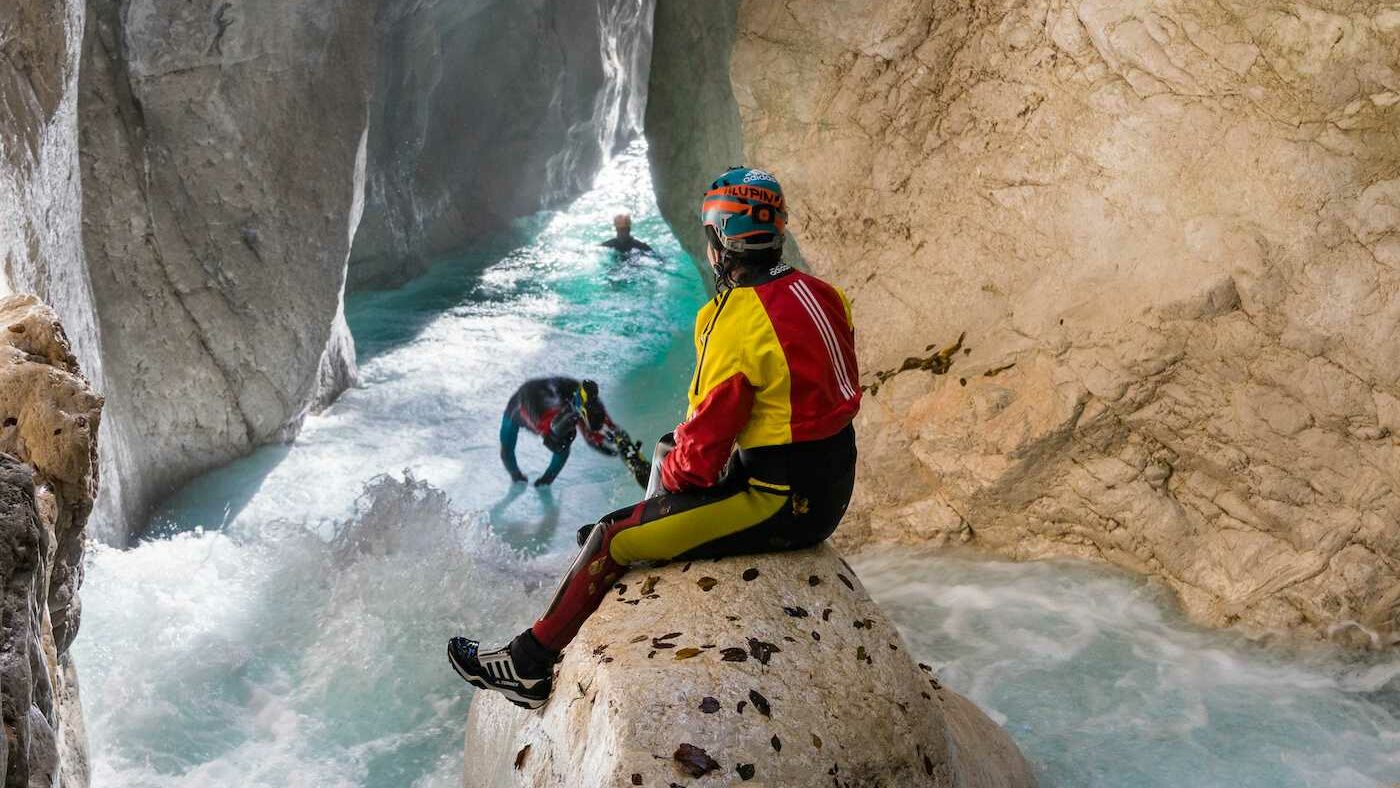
x: 558, y: 410
x: 624, y: 242
x: 765, y: 459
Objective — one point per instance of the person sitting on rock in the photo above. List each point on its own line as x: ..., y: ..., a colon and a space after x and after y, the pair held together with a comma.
x: 765, y: 460
x: 623, y: 242
x: 558, y: 409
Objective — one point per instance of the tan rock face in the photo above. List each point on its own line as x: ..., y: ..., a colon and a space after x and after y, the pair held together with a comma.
x: 49, y: 418
x: 1178, y: 220
x: 783, y: 672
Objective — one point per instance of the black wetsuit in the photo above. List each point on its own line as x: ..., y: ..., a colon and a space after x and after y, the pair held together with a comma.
x: 625, y: 245
x: 550, y: 408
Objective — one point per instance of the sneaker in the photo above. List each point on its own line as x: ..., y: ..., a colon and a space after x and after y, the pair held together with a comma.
x: 495, y: 670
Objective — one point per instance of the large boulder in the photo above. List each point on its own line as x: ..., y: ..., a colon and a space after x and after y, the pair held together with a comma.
x: 773, y: 668
x: 223, y: 166
x: 1168, y: 229
x: 49, y: 419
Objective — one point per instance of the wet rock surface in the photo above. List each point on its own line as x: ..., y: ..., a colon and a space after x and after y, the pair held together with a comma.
x: 1168, y: 231
x: 49, y: 418
x: 740, y: 670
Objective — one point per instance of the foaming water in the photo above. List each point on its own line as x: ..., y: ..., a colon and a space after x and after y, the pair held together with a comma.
x: 1103, y: 684
x: 289, y: 627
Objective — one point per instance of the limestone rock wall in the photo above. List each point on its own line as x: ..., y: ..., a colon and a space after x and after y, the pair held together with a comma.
x: 1169, y: 231
x: 223, y: 165
x: 40, y: 203
x: 486, y: 111
x: 778, y: 667
x: 49, y: 420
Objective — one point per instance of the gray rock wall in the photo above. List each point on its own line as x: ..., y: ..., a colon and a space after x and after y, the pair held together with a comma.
x: 223, y: 149
x: 49, y: 421
x: 486, y: 111
x: 1176, y: 219
x: 40, y: 203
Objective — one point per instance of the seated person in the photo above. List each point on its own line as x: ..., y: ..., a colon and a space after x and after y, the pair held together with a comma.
x: 766, y: 458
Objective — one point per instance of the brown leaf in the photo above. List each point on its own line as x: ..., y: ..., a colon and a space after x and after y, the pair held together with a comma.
x: 750, y: 573
x: 816, y: 635
x: 669, y: 636
x: 709, y: 705
x: 861, y: 655
x: 846, y: 580
x: 814, y: 581
x: 649, y: 585
x: 694, y: 761
x: 636, y: 779
x: 777, y: 743
x: 796, y: 612
x: 760, y: 703
x: 745, y: 771
x: 762, y: 651
x: 739, y: 708
x: 706, y: 583
x: 687, y: 653
x: 638, y: 639
x: 816, y: 741
x: 733, y: 655
x: 521, y: 756
x: 826, y: 614
x: 662, y: 644
x: 598, y: 652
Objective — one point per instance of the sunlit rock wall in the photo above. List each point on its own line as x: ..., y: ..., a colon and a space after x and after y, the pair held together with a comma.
x: 1176, y: 219
x: 49, y: 420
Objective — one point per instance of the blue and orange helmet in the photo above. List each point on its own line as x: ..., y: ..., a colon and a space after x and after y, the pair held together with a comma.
x: 745, y: 210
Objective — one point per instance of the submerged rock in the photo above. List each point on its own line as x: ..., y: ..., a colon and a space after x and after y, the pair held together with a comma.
x: 49, y: 418
x: 771, y: 677
x: 1176, y: 220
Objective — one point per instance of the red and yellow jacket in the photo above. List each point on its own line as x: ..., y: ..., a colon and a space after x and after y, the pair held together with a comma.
x: 775, y: 363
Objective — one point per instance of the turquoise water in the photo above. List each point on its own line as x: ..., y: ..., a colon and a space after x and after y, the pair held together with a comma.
x: 1103, y: 683
x: 288, y: 627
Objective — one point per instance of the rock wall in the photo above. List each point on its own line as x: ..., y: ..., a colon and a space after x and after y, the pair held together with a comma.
x: 223, y: 165
x: 49, y: 419
x: 779, y: 668
x: 1169, y: 231
x: 40, y: 203
x: 487, y: 111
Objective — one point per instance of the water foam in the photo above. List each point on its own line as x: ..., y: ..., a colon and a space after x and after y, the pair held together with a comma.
x: 1103, y: 684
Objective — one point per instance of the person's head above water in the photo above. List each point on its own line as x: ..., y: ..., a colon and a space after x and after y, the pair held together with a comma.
x: 745, y: 219
x: 623, y: 224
